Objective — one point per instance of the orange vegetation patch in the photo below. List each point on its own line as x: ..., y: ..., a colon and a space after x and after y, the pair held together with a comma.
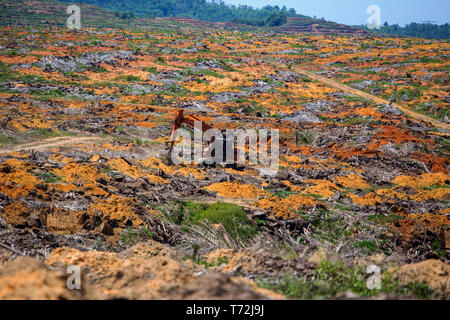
x: 367, y: 112
x: 236, y: 190
x: 126, y: 275
x: 94, y: 189
x: 17, y: 214
x: 61, y: 159
x: 14, y: 124
x: 414, y: 225
x: 18, y: 59
x: 369, y: 199
x: 146, y: 124
x: 17, y: 154
x: 37, y: 123
x: 249, y: 172
x: 286, y: 208
x: 323, y: 188
x: 116, y: 148
x: 395, y: 135
x: 64, y: 221
x: 391, y: 194
x: 294, y: 159
x: 368, y: 151
x: 125, y: 167
x: 61, y: 187
x: 15, y: 180
x: 291, y: 187
x: 437, y: 194
x: 155, y: 163
x: 306, y: 150
x: 425, y: 180
x: 78, y: 173
x: 353, y: 181
x: 435, y: 163
x: 118, y: 209
x: 438, y: 220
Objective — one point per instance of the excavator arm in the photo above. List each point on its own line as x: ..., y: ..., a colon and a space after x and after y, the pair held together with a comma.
x: 189, y: 120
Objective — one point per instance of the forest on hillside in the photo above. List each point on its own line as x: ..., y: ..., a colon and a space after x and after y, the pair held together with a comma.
x: 217, y: 11
x: 421, y: 30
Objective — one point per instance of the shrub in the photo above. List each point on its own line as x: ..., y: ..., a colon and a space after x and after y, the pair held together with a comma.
x: 231, y: 216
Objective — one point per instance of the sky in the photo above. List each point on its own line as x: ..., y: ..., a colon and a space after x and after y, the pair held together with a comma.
x: 353, y: 12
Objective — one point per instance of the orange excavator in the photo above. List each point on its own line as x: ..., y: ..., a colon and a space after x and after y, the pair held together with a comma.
x: 190, y: 119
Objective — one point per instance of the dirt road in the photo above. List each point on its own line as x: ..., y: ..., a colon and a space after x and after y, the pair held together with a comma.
x: 348, y: 89
x: 53, y: 142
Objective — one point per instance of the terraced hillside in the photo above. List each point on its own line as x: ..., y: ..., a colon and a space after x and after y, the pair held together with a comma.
x: 84, y: 117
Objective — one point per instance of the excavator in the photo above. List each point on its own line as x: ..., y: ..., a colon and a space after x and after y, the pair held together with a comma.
x: 190, y: 119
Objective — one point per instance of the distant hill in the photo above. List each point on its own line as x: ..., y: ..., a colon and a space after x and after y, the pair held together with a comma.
x: 214, y: 11
x: 317, y: 26
x: 53, y: 12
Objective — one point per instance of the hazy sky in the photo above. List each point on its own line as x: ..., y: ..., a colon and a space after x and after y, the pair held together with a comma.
x: 353, y: 12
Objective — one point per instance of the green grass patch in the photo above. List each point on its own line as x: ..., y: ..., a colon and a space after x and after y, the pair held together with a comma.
x: 205, y: 263
x: 330, y: 278
x: 132, y: 236
x: 357, y: 120
x: 384, y: 219
x: 189, y: 72
x: 368, y: 246
x: 232, y: 217
x: 305, y: 137
x: 153, y: 70
x: 48, y: 177
x: 161, y: 61
x: 42, y: 133
x: 5, y: 141
x: 280, y: 193
x: 128, y: 78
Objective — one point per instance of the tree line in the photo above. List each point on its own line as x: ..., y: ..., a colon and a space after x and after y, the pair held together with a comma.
x: 421, y: 30
x: 213, y: 10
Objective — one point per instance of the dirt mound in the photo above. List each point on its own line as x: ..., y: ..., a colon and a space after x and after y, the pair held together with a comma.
x: 29, y: 279
x: 236, y: 190
x: 423, y: 235
x: 352, y: 181
x: 425, y: 180
x: 286, y: 208
x: 15, y: 180
x: 79, y: 173
x: 152, y: 270
x: 125, y: 167
x: 435, y: 273
x: 249, y: 263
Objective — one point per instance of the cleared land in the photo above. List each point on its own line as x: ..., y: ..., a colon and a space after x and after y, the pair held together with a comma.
x: 363, y: 179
